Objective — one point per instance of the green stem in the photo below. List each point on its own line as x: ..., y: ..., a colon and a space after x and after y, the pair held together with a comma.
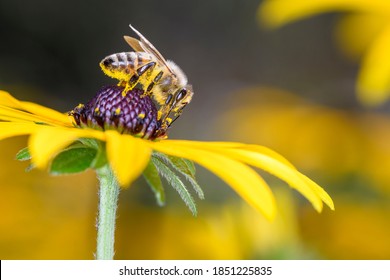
x: 108, y: 201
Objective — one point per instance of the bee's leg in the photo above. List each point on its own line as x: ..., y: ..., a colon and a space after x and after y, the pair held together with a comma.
x: 168, y: 122
x: 129, y: 85
x: 165, y: 123
x: 148, y: 67
x: 177, y: 114
x: 122, y: 83
x: 156, y: 79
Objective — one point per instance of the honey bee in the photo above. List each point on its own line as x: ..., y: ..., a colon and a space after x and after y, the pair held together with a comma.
x: 161, y: 79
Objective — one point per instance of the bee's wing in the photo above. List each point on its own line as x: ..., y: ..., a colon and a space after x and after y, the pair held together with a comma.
x: 134, y: 43
x: 147, y: 47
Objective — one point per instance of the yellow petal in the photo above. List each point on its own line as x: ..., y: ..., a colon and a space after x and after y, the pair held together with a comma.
x: 48, y: 114
x: 225, y: 145
x: 356, y: 32
x: 314, y: 186
x: 275, y: 13
x: 10, y: 129
x: 273, y: 163
x: 47, y: 141
x: 320, y: 191
x: 268, y: 160
x: 203, y: 145
x: 278, y: 169
x: 11, y: 108
x: 7, y: 99
x: 127, y: 155
x: 11, y: 114
x: 267, y: 152
x: 374, y: 77
x: 244, y: 180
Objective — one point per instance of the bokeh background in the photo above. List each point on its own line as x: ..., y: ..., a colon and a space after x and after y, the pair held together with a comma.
x: 291, y: 89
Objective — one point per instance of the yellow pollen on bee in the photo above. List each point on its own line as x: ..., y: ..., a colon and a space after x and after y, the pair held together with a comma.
x: 117, y: 111
x: 159, y: 115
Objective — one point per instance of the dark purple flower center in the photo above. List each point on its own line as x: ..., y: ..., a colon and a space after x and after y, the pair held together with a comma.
x: 130, y: 113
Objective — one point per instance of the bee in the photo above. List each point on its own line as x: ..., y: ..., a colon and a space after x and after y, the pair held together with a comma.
x: 161, y: 79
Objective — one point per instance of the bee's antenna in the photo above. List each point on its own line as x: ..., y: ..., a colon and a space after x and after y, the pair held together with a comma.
x: 173, y: 120
x: 135, y: 30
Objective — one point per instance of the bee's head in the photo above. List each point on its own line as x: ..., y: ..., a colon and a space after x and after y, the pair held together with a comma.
x: 174, y: 105
x: 181, y: 98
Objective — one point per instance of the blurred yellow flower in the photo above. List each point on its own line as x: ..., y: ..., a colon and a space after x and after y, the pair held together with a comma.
x: 365, y: 32
x: 314, y: 137
x: 50, y: 132
x: 360, y: 222
x: 350, y: 148
x: 44, y: 210
x: 230, y: 231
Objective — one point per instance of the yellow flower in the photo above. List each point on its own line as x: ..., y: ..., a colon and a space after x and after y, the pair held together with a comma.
x: 50, y: 132
x: 365, y: 32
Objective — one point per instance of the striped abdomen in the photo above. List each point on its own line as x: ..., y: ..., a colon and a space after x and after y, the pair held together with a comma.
x: 122, y: 66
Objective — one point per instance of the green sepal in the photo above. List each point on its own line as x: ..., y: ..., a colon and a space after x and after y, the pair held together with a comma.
x: 184, y: 167
x: 175, y: 182
x: 23, y: 154
x: 77, y: 158
x: 154, y: 181
x: 101, y: 157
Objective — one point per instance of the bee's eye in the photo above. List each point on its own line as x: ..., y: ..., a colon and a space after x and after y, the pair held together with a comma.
x: 181, y: 94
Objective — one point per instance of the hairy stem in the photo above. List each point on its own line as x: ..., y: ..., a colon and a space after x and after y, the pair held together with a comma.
x: 108, y: 202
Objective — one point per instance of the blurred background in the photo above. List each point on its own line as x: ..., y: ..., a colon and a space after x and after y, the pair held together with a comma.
x: 291, y: 89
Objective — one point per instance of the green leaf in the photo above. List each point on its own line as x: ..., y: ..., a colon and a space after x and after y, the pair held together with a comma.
x: 176, y: 183
x: 154, y: 181
x: 191, y: 166
x: 73, y: 160
x: 182, y: 166
x: 23, y: 154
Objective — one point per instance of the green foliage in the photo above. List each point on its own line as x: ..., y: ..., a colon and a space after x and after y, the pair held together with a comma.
x: 175, y: 182
x: 182, y: 164
x: 81, y: 155
x: 184, y: 167
x: 154, y: 181
x: 75, y: 159
x: 23, y: 154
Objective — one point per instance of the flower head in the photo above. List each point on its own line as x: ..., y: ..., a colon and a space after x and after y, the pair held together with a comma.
x: 131, y: 113
x: 123, y: 131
